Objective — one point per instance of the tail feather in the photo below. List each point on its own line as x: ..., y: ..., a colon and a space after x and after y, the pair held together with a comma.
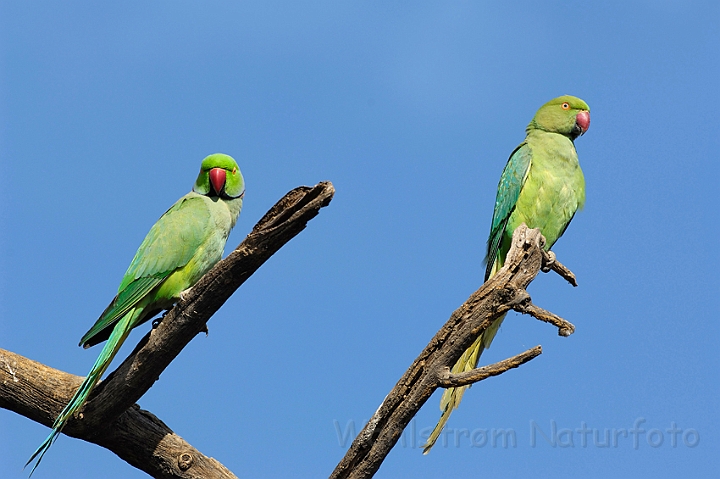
x: 452, y: 396
x: 116, y: 339
x: 468, y: 361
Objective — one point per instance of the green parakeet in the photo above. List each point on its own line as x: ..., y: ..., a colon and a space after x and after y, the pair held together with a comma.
x: 179, y: 249
x: 542, y: 186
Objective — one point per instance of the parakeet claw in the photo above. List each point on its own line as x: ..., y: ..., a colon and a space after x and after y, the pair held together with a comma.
x: 549, y: 260
x: 205, y: 330
x: 184, y: 294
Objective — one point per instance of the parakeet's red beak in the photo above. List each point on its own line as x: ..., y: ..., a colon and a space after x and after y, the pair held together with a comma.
x: 583, y: 121
x: 217, y: 178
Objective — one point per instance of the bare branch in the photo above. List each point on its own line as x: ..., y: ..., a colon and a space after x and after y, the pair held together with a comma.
x: 501, y: 293
x: 450, y: 380
x: 138, y: 437
x: 110, y: 418
x: 565, y: 328
x: 189, y: 317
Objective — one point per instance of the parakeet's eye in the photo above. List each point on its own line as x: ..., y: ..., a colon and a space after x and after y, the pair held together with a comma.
x: 234, y: 171
x: 565, y: 106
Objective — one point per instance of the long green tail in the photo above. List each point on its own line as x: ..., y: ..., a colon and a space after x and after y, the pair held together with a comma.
x: 452, y: 396
x: 468, y: 361
x: 116, y: 339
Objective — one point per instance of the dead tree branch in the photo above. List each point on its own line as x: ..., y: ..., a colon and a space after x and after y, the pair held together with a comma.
x: 450, y: 380
x: 110, y: 418
x: 137, y: 436
x: 431, y: 370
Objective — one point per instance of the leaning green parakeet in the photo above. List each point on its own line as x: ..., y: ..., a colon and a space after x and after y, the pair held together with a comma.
x: 542, y: 186
x: 179, y: 249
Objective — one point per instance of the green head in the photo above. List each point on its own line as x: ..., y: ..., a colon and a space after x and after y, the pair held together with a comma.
x: 567, y: 115
x: 220, y: 176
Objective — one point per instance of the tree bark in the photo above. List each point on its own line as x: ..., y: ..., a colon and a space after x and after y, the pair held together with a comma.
x: 431, y: 370
x: 110, y: 418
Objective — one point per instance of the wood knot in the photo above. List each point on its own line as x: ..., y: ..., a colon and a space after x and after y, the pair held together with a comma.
x: 510, y: 294
x: 185, y: 461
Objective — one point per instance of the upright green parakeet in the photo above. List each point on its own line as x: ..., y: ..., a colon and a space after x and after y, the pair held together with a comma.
x: 179, y: 249
x: 542, y: 186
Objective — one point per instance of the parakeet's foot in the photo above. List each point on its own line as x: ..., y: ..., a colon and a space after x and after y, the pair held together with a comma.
x: 549, y: 261
x: 205, y: 330
x: 184, y: 294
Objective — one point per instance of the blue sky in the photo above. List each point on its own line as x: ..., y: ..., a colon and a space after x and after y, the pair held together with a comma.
x: 411, y: 110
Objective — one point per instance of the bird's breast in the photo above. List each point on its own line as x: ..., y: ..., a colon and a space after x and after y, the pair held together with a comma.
x: 553, y: 191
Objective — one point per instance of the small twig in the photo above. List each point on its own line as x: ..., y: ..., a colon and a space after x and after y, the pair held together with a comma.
x: 565, y: 328
x: 450, y: 380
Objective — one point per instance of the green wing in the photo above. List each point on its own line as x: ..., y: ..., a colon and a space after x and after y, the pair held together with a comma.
x: 511, y: 183
x: 168, y: 246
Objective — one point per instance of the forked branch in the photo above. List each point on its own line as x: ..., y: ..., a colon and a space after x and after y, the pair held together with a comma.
x: 431, y: 370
